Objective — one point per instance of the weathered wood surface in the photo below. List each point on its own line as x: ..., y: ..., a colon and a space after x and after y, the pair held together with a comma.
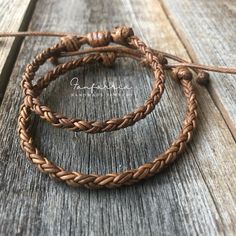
x: 195, y: 196
x: 15, y: 16
x: 208, y: 30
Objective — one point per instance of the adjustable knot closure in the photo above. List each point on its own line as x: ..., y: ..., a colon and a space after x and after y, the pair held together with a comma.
x: 121, y: 34
x: 99, y: 39
x: 94, y: 39
x: 71, y: 43
x: 108, y: 58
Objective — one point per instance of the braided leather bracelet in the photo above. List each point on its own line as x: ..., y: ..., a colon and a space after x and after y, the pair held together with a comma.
x: 96, y: 39
x: 103, y: 53
x: 113, y: 179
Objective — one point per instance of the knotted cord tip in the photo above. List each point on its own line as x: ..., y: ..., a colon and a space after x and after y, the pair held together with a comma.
x: 203, y: 78
x: 179, y: 73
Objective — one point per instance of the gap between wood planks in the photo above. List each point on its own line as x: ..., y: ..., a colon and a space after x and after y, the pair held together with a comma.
x: 191, y: 54
x: 14, y: 51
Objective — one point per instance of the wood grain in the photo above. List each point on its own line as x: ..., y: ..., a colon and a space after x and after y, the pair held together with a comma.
x: 15, y: 16
x: 208, y: 30
x: 195, y: 196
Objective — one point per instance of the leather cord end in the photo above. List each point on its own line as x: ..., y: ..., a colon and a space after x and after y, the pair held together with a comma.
x: 179, y: 73
x: 203, y: 78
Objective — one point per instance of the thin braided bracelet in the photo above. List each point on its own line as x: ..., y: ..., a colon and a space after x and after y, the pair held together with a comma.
x: 113, y: 179
x: 122, y: 36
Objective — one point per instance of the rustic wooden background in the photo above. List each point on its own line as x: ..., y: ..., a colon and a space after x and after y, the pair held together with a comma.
x: 195, y: 196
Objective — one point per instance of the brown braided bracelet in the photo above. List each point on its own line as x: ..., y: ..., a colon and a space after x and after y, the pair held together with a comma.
x: 113, y: 179
x: 103, y: 53
x: 121, y: 35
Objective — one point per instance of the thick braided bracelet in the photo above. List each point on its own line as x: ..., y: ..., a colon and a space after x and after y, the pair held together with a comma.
x: 113, y: 179
x: 72, y: 43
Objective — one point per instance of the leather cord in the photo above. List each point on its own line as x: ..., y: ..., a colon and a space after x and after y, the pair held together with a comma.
x: 196, y: 67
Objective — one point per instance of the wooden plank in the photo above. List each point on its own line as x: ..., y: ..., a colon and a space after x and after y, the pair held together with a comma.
x: 208, y: 31
x: 196, y: 195
x: 15, y: 16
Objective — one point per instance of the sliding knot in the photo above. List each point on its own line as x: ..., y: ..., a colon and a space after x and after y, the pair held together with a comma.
x: 108, y: 58
x: 179, y: 73
x: 121, y: 34
x: 202, y: 77
x: 71, y: 43
x: 99, y: 39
